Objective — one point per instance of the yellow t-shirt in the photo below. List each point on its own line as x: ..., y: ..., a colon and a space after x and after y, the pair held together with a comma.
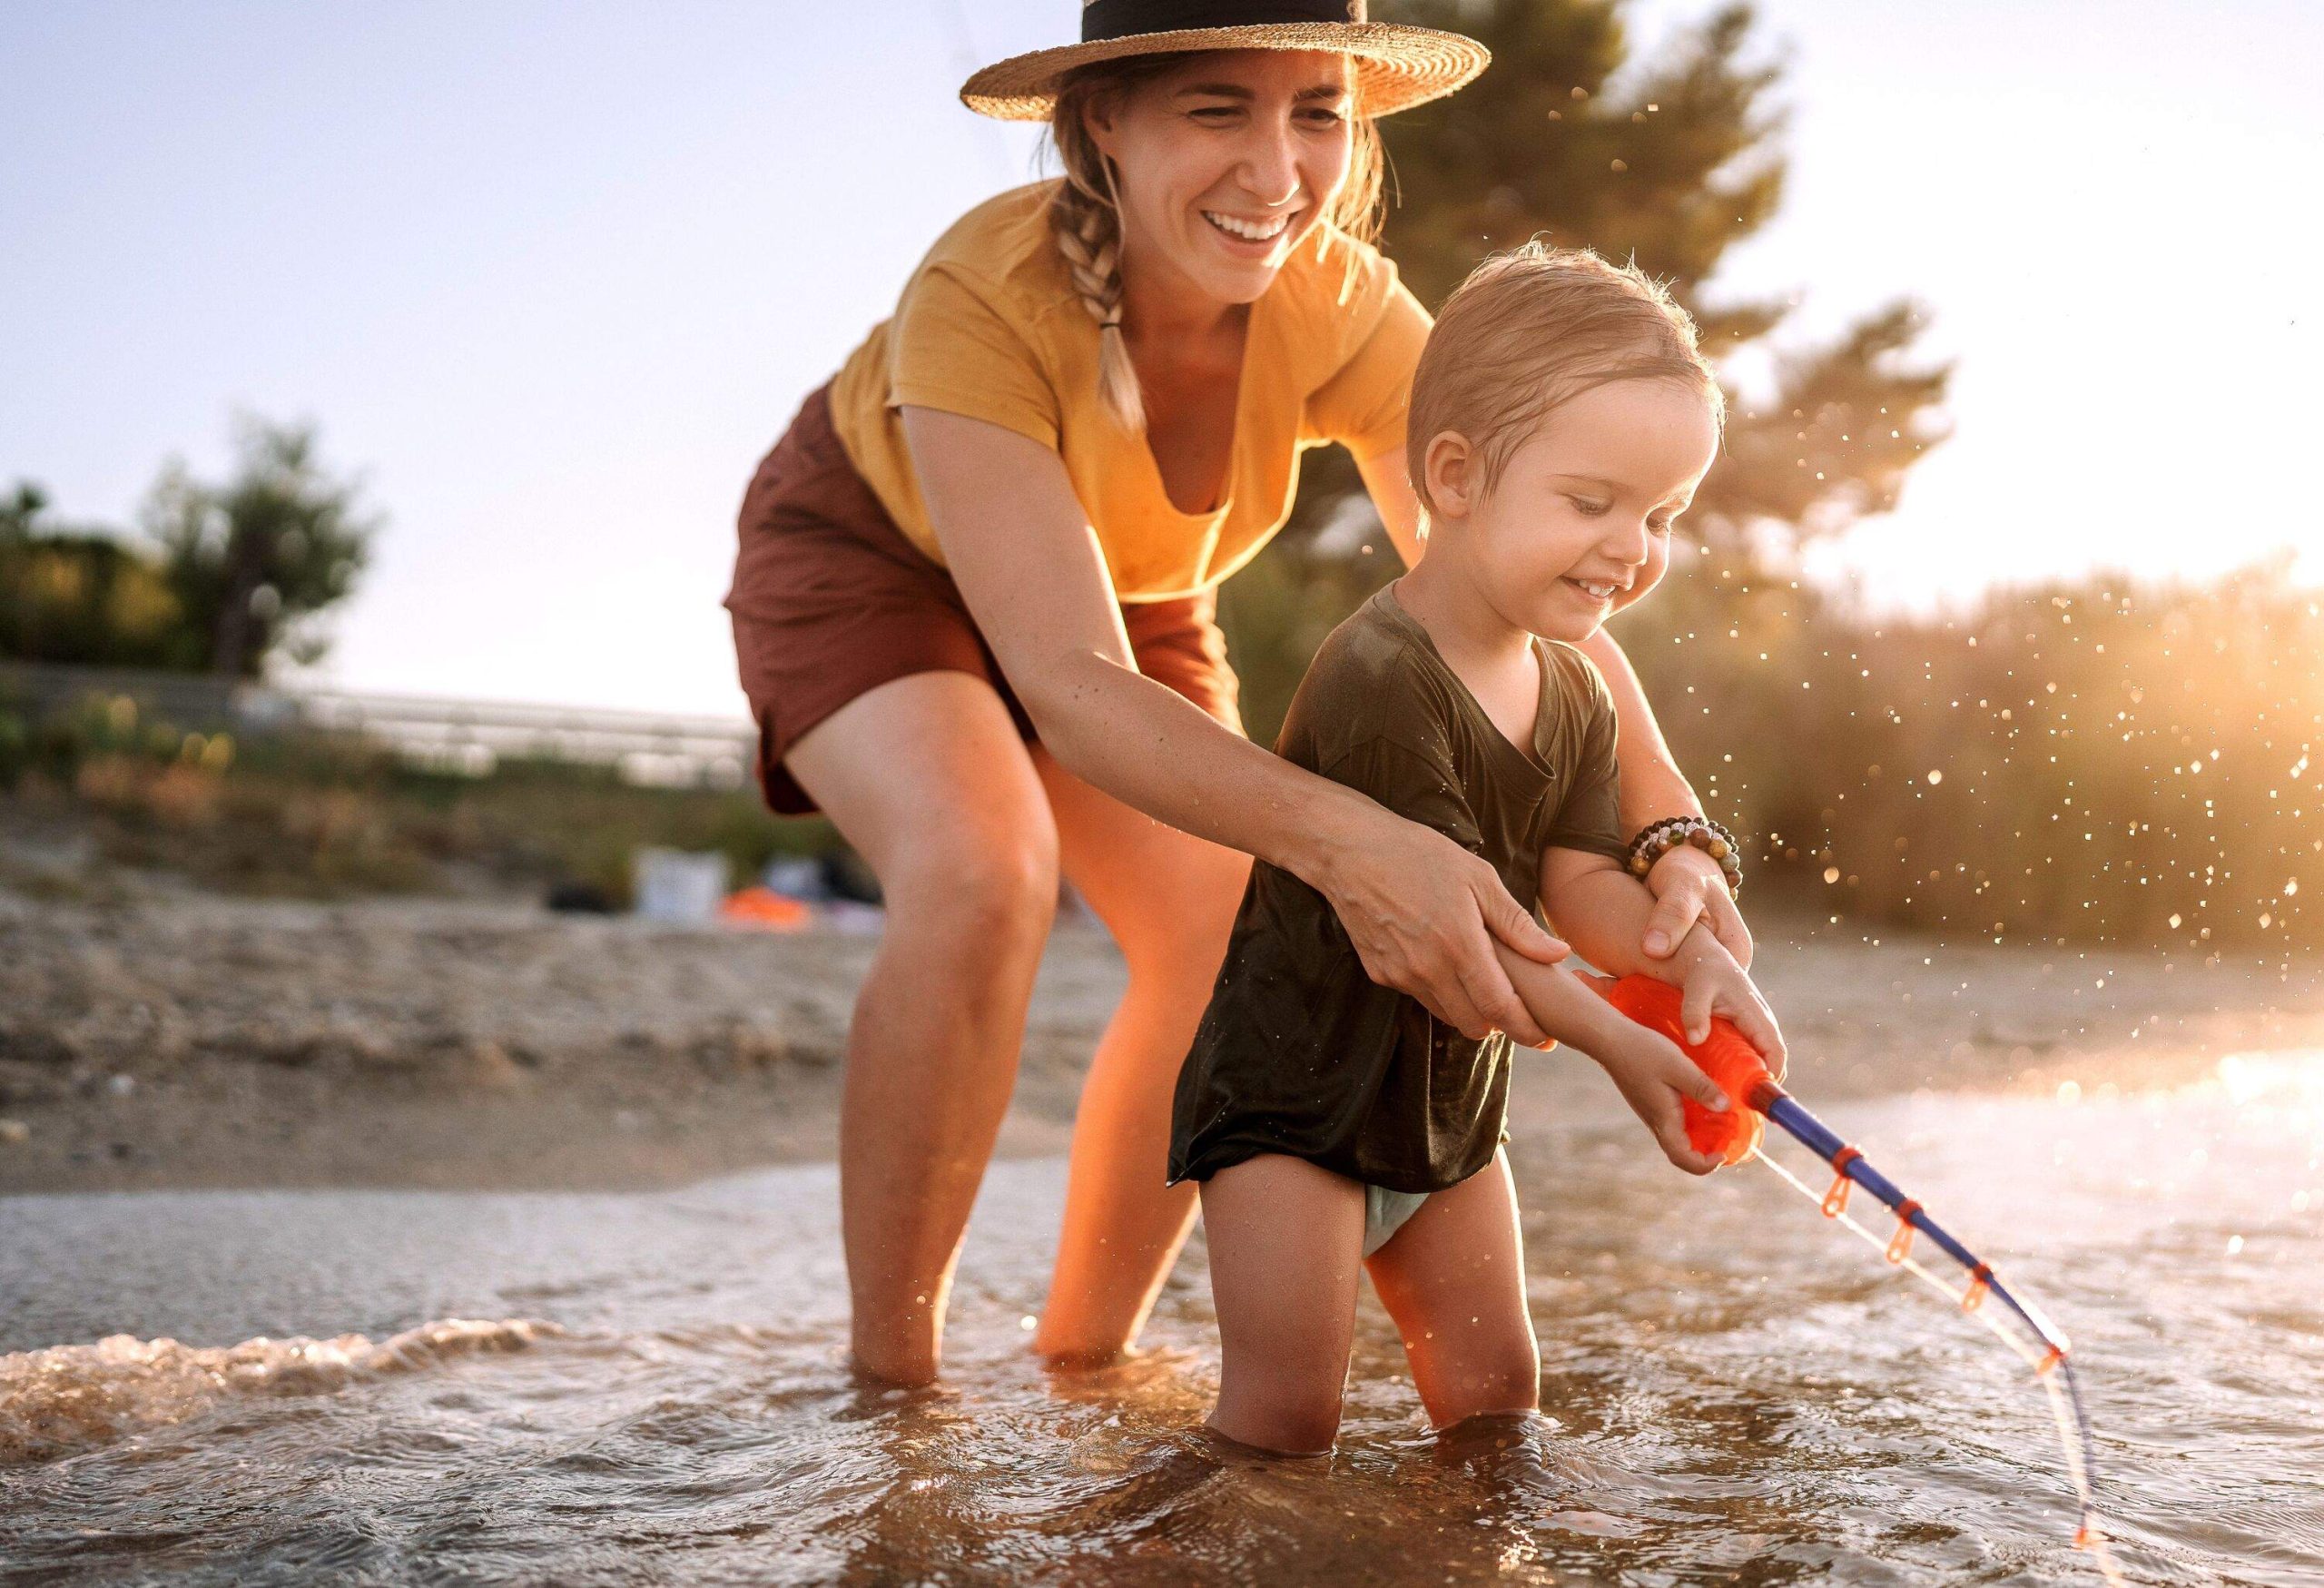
x: 989, y: 327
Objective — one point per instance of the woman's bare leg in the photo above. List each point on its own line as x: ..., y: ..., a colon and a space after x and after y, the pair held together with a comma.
x: 1169, y: 900
x: 1286, y: 1240
x: 1453, y: 1278
x: 927, y: 777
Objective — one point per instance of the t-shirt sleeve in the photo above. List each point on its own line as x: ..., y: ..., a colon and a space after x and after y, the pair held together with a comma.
x: 1362, y: 407
x: 1416, y: 787
x: 953, y: 348
x: 1590, y: 817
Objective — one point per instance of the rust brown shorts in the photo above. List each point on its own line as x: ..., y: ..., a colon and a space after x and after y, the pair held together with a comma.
x: 830, y: 601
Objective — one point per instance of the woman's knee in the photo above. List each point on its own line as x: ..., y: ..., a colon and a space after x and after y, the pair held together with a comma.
x: 927, y: 777
x: 1172, y: 944
x: 989, y: 886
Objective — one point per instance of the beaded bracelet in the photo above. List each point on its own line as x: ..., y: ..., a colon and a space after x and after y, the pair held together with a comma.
x: 1662, y: 837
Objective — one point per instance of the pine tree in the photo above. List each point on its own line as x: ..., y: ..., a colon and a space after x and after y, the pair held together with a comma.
x: 1670, y: 161
x: 1674, y: 166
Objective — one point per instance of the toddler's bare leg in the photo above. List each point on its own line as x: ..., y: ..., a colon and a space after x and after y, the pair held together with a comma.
x: 1286, y: 1240
x: 1453, y: 1278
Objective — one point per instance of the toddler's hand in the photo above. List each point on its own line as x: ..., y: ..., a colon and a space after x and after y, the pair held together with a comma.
x: 1712, y: 983
x: 1653, y: 1076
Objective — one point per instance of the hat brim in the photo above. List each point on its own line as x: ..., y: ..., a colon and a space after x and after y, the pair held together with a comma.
x: 1397, y: 65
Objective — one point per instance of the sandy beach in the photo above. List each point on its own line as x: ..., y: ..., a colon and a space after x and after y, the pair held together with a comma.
x: 162, y: 1038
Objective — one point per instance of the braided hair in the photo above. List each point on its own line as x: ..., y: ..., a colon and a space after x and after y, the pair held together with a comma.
x: 1088, y: 232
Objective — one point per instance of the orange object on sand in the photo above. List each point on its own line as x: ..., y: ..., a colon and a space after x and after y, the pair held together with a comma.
x: 1725, y: 1056
x: 765, y: 910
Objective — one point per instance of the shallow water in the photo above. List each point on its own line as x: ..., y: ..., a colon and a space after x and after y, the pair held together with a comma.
x: 654, y: 1392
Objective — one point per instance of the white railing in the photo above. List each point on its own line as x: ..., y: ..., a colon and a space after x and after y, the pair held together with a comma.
x: 465, y: 736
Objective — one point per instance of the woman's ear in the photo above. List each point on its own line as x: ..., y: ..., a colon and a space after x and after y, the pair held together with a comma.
x: 1099, y: 113
x: 1447, y: 469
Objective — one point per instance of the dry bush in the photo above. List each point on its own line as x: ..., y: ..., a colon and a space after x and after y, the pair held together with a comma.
x: 2096, y: 760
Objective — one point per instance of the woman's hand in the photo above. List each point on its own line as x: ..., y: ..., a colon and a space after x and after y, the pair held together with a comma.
x: 1688, y: 887
x: 1423, y: 914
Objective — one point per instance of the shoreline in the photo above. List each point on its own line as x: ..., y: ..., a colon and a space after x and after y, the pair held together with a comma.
x: 172, y: 1040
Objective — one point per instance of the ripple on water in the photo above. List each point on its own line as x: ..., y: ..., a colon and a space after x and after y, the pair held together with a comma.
x: 1731, y: 1389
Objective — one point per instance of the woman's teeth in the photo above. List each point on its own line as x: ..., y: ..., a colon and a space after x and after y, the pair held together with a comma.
x: 1249, y: 230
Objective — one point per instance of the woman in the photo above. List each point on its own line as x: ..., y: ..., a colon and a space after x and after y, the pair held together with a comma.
x: 973, y: 611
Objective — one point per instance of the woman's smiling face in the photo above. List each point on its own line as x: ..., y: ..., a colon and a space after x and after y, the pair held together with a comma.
x: 1226, y: 164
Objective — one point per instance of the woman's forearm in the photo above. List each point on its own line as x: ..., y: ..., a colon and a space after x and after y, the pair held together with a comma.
x: 1035, y: 579
x: 1152, y: 749
x: 1651, y: 784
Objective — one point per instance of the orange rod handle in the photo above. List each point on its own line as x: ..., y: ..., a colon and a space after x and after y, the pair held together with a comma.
x: 1725, y: 1056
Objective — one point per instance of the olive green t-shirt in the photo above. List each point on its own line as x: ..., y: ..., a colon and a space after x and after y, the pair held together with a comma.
x: 1300, y: 1053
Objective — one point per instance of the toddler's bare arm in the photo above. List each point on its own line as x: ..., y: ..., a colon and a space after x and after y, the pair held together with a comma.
x: 1609, y: 909
x: 1602, y: 911
x: 1649, y: 1072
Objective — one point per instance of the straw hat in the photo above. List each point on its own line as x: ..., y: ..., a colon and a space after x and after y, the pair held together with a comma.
x: 1396, y: 65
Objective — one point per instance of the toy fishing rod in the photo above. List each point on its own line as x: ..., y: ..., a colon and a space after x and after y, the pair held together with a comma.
x: 1736, y: 1135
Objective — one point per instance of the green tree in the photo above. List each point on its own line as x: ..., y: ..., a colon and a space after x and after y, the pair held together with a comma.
x: 254, y: 561
x: 1670, y: 161
x: 74, y: 594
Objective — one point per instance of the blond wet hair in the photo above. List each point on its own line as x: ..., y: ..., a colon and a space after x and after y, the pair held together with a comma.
x: 1531, y: 329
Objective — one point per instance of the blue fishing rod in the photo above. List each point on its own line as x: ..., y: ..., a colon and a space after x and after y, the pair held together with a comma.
x: 1737, y: 1134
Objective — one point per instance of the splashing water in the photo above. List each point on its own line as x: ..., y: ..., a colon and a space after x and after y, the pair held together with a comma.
x: 1727, y: 1395
x: 68, y: 1397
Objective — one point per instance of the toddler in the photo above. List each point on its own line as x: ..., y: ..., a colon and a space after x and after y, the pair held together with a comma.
x: 1560, y: 418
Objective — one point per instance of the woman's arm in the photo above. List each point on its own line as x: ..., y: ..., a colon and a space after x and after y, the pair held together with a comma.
x: 1422, y: 911
x: 1389, y: 485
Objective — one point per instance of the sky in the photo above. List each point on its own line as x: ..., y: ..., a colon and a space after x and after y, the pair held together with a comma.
x: 552, y: 277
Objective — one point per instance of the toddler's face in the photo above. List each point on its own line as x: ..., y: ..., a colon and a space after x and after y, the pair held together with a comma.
x: 1578, y: 524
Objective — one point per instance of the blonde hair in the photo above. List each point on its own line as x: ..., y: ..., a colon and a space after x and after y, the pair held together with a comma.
x: 1085, y: 217
x: 1531, y: 329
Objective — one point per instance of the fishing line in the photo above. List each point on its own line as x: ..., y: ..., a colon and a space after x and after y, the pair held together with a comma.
x: 1738, y: 1133
x: 2074, y: 1439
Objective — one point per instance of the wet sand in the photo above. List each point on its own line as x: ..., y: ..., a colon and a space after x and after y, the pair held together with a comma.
x: 164, y: 1039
